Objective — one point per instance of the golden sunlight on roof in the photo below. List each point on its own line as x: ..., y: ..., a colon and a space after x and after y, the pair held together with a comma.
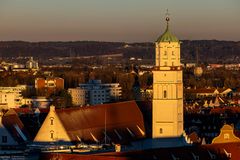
x: 226, y: 135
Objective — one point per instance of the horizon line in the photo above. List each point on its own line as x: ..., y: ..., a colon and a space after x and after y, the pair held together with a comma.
x: 112, y: 41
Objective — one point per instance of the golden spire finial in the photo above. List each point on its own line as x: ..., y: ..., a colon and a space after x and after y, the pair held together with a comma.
x: 167, y: 16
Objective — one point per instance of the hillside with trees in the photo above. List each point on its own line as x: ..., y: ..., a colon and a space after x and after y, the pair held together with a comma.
x: 210, y: 51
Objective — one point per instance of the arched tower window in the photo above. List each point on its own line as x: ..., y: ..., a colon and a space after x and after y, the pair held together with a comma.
x: 164, y: 94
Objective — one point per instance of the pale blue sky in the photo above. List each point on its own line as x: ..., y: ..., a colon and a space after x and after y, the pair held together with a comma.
x: 118, y: 20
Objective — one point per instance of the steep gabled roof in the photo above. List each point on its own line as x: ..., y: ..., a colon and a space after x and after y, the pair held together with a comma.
x: 123, y: 121
x: 15, y: 126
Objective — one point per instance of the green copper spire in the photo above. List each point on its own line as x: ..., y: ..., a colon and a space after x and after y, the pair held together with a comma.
x: 167, y: 35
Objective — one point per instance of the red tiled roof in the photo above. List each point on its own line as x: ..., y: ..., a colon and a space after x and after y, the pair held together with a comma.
x: 204, y: 90
x: 223, y: 110
x: 124, y: 121
x: 27, y: 110
x: 200, y: 90
x: 232, y: 148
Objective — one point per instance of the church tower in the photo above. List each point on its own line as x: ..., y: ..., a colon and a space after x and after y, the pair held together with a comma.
x: 167, y: 111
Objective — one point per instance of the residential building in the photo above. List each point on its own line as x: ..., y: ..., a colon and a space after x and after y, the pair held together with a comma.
x: 37, y: 102
x: 10, y: 100
x: 79, y: 96
x: 95, y: 92
x: 11, y: 97
x: 98, y: 96
x: 18, y: 88
x: 49, y: 85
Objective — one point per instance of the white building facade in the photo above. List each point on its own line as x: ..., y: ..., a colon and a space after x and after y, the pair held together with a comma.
x: 78, y: 96
x: 37, y: 102
x: 95, y: 92
x: 167, y: 112
x: 11, y: 97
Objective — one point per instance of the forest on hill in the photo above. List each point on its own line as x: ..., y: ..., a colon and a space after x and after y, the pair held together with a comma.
x: 209, y: 51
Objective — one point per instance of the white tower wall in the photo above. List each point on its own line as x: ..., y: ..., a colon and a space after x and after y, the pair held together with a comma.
x: 167, y: 112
